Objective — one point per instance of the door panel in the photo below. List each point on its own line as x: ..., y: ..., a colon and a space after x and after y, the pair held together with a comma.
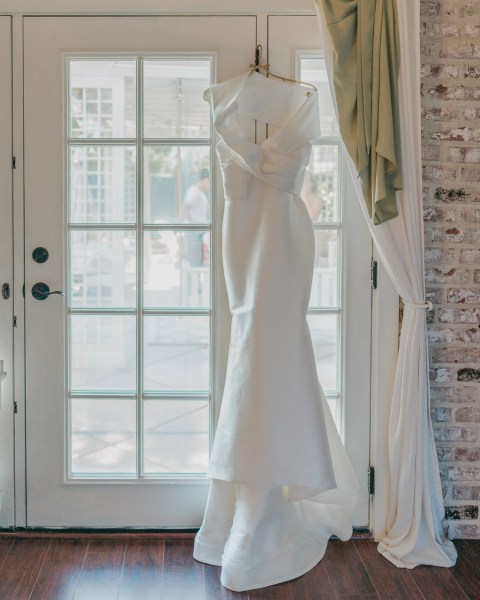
x: 119, y: 379
x: 6, y: 277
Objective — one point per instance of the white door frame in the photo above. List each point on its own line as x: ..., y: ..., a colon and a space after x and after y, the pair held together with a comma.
x: 7, y: 503
x: 385, y: 303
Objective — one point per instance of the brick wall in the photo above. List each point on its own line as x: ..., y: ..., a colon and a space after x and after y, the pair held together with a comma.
x: 450, y: 47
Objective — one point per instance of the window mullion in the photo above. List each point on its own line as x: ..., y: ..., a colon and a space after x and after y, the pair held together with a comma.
x: 140, y: 316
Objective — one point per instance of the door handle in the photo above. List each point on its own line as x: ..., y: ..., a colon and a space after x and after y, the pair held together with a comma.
x: 41, y: 291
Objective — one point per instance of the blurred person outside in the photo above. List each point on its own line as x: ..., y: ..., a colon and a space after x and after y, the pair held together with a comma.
x: 196, y: 210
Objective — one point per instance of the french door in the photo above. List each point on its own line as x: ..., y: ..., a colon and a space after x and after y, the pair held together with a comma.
x: 122, y: 214
x: 123, y: 207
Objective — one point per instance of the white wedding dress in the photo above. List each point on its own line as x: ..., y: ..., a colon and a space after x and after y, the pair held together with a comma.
x: 282, y: 482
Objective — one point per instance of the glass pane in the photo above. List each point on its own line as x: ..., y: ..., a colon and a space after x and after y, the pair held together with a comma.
x: 102, y: 184
x: 325, y: 271
x: 102, y: 268
x: 320, y: 189
x: 102, y: 352
x: 176, y: 436
x: 323, y: 329
x: 177, y: 184
x: 102, y: 98
x: 314, y: 70
x: 177, y: 353
x: 173, y: 98
x: 335, y: 408
x: 103, y: 436
x: 177, y: 269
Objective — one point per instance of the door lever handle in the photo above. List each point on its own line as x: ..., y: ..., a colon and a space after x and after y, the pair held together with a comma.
x: 41, y: 291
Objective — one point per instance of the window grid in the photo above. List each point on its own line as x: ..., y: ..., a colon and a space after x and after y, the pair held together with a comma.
x: 329, y: 180
x: 91, y: 182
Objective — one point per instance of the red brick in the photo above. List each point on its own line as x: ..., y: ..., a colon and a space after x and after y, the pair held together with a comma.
x: 445, y: 454
x: 469, y: 336
x: 429, y: 9
x: 444, y: 30
x: 451, y: 195
x: 470, y: 174
x: 470, y: 215
x: 453, y: 394
x: 459, y: 315
x: 441, y: 414
x: 454, y: 434
x: 435, y: 295
x: 472, y: 29
x: 463, y: 474
x: 459, y: 92
x: 439, y: 71
x: 463, y: 492
x: 471, y: 113
x: 467, y: 414
x: 470, y: 256
x: 438, y: 173
x: 441, y: 255
x: 463, y: 296
x: 453, y: 234
x: 439, y: 114
x: 452, y: 275
x: 441, y: 374
x: 471, y: 72
x: 464, y: 532
x: 436, y: 214
x: 457, y: 134
x: 455, y: 51
x: 467, y: 454
x: 440, y: 335
x: 462, y: 155
x: 456, y: 354
x: 431, y: 152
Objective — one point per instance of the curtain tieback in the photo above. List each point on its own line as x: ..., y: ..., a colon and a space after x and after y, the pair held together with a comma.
x: 427, y: 304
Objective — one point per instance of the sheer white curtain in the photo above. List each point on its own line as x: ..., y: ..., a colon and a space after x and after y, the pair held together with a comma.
x: 414, y: 532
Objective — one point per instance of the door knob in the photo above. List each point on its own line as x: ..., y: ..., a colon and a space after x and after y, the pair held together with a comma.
x: 41, y: 291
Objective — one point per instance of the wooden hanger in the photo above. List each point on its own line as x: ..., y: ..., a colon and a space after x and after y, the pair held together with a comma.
x: 256, y: 66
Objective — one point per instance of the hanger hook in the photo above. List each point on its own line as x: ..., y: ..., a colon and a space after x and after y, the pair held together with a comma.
x: 258, y: 55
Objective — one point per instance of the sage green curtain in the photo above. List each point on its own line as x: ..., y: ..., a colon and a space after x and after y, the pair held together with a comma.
x: 364, y: 36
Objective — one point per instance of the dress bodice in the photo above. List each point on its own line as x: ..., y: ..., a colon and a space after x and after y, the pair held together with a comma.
x: 282, y: 158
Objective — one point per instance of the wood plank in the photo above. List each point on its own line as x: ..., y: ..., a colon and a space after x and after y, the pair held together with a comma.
x: 436, y: 583
x: 58, y: 577
x: 214, y: 590
x: 473, y: 547
x: 5, y: 546
x: 142, y: 570
x: 21, y: 567
x: 86, y: 534
x: 361, y: 597
x: 390, y: 582
x: 183, y: 583
x: 466, y: 571
x: 346, y: 570
x: 280, y: 591
x: 100, y: 576
x: 314, y: 585
x: 179, y: 553
x: 110, y: 545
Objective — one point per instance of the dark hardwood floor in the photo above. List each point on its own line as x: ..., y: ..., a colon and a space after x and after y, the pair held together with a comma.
x: 147, y: 567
